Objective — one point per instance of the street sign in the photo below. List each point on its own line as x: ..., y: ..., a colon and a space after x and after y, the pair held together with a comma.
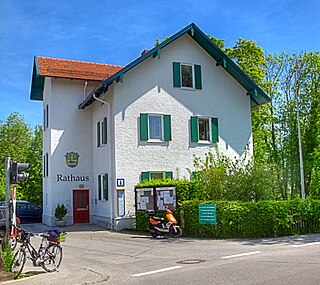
x: 207, y: 214
x: 120, y: 183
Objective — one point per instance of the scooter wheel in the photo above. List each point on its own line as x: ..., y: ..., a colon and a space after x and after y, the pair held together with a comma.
x: 153, y: 233
x: 175, y: 231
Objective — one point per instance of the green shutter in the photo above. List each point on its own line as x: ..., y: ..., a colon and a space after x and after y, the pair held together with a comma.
x: 98, y: 134
x: 104, y: 131
x: 197, y: 76
x: 176, y: 75
x: 144, y: 176
x: 167, y: 127
x: 99, y: 187
x: 215, y: 130
x: 105, y: 187
x: 194, y: 129
x: 143, y: 127
x: 47, y: 116
x: 169, y: 175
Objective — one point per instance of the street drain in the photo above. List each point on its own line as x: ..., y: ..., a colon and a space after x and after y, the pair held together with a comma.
x: 191, y: 261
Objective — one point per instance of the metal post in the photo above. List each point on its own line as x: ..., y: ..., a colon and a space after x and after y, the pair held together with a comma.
x: 303, y: 193
x: 7, y: 198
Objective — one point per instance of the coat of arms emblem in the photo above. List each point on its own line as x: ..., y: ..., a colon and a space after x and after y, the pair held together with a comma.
x: 72, y: 158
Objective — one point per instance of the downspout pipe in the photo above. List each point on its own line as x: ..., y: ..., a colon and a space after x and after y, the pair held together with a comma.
x: 109, y: 160
x: 85, y: 89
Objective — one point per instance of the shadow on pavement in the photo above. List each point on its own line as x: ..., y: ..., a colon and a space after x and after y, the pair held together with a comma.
x: 41, y: 228
x: 281, y: 240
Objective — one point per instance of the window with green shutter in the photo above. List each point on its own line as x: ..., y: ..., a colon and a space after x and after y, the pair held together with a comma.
x: 143, y: 127
x: 105, y: 187
x: 153, y: 175
x: 102, y: 185
x: 167, y: 127
x: 144, y: 176
x: 176, y: 74
x: 204, y: 129
x: 194, y: 129
x: 155, y: 127
x: 46, y: 117
x: 98, y: 134
x: 197, y: 76
x: 104, y: 130
x: 215, y: 130
x: 99, y: 188
x: 187, y: 75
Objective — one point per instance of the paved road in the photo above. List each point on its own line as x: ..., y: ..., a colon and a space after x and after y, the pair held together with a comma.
x: 93, y: 255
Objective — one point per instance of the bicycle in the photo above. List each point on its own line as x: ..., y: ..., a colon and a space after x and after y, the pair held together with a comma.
x: 48, y: 256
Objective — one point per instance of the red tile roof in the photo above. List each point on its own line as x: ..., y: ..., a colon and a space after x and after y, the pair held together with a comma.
x: 64, y: 68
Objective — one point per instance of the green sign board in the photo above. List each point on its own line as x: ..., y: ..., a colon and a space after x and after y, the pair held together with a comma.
x: 207, y: 214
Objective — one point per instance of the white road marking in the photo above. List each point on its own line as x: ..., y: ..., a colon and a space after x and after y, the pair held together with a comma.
x: 156, y: 271
x: 306, y: 244
x: 241, y: 254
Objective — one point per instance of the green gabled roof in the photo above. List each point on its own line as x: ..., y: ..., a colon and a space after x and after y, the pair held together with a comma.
x: 257, y: 96
x: 37, y: 85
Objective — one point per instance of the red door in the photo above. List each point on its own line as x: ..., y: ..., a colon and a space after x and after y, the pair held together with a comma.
x: 81, y: 206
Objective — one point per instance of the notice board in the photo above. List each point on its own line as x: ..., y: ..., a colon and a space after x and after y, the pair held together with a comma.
x: 156, y: 198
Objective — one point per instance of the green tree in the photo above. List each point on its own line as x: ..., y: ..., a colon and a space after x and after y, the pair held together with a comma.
x: 31, y: 189
x: 21, y: 144
x: 15, y: 138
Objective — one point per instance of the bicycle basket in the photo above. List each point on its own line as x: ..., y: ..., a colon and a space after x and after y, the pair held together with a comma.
x: 62, y: 237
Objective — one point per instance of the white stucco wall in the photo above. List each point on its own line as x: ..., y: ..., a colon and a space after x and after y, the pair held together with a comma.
x: 148, y: 88
x: 103, y: 160
x: 69, y: 130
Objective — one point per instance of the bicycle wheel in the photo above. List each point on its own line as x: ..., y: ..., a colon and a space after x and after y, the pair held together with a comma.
x: 52, y: 257
x: 19, y: 259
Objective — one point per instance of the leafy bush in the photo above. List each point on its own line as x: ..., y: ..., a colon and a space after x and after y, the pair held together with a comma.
x: 7, y: 258
x: 254, y: 219
x: 222, y: 178
x: 60, y: 212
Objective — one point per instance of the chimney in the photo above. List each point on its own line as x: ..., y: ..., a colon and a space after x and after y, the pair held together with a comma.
x: 144, y: 52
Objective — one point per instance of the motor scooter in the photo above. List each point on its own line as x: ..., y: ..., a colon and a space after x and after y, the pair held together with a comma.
x: 157, y: 225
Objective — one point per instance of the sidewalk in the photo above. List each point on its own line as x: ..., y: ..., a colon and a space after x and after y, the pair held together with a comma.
x: 42, y: 228
x: 71, y: 271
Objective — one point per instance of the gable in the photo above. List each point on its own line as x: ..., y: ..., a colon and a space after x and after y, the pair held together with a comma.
x: 257, y: 95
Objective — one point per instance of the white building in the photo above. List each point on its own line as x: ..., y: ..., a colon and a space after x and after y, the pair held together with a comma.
x: 107, y: 127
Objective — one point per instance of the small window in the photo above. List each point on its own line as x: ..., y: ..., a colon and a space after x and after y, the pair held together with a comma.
x: 45, y: 168
x: 187, y: 76
x: 46, y: 117
x: 151, y: 175
x: 155, y: 127
x: 157, y: 175
x: 204, y: 129
x: 101, y: 131
x: 103, y: 187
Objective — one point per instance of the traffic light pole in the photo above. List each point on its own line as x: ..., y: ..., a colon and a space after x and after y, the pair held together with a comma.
x: 7, y: 198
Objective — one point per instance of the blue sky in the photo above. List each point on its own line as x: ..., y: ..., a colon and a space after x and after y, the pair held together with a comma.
x: 115, y: 32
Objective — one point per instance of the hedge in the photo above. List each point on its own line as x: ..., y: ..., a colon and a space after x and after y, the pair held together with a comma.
x: 254, y: 219
x: 247, y: 219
